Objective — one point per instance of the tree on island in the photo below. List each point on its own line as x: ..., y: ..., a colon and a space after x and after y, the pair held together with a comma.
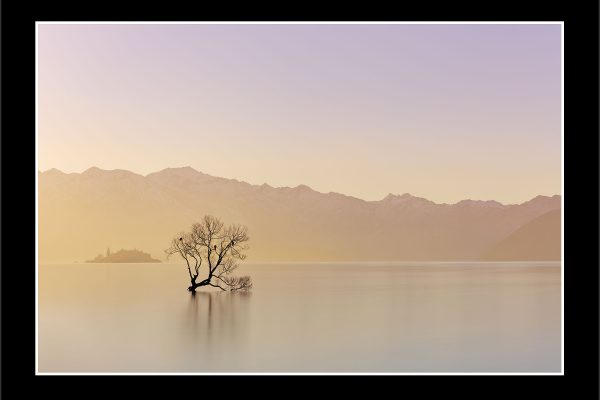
x: 219, y: 248
x: 124, y: 256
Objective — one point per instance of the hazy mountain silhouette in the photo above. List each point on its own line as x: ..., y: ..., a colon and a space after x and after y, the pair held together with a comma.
x: 79, y: 213
x: 538, y: 240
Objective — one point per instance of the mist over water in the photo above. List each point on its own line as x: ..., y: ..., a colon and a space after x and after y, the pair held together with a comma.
x: 302, y: 317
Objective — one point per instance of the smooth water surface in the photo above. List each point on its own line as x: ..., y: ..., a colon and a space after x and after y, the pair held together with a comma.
x: 320, y: 317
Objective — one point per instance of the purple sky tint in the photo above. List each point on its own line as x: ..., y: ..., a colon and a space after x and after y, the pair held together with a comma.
x: 446, y: 112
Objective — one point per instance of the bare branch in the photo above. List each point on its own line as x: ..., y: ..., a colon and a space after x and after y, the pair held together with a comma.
x: 238, y: 283
x: 213, y: 285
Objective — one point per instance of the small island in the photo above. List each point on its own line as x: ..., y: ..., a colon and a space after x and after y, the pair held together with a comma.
x: 124, y: 256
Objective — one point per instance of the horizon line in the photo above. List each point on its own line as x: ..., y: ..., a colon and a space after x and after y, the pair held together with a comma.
x: 389, y: 195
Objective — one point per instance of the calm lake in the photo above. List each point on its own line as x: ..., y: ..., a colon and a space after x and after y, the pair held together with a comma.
x: 319, y: 317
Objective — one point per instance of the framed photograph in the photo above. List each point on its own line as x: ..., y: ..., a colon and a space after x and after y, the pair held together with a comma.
x: 300, y: 197
x: 176, y: 150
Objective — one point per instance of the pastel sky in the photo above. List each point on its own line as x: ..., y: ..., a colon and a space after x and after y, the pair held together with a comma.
x: 445, y: 112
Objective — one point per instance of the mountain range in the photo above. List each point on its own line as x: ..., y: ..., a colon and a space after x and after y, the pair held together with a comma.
x: 81, y: 212
x: 537, y: 240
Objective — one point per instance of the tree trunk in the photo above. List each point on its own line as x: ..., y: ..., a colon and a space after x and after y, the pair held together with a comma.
x: 197, y: 285
x: 194, y: 284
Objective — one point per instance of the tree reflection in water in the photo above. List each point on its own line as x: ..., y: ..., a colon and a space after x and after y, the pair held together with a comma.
x: 216, y: 323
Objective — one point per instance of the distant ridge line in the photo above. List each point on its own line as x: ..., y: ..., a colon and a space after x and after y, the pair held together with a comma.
x: 301, y: 187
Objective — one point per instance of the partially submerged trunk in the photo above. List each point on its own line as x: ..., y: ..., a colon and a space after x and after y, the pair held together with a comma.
x: 195, y: 284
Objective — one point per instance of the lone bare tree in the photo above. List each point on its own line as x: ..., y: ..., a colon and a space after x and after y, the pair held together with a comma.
x: 219, y: 248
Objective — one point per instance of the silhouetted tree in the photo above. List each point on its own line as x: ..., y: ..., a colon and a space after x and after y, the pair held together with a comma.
x: 218, y: 247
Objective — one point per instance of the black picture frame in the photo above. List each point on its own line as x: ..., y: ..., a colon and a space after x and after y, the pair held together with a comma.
x: 580, y: 201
